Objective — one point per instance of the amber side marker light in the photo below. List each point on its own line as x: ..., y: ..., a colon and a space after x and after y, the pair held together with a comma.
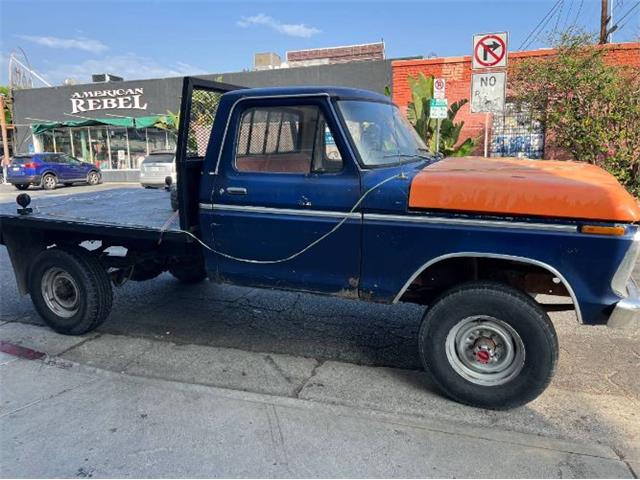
x: 600, y: 230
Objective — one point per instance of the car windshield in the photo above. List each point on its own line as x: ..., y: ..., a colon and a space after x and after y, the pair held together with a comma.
x: 159, y: 158
x: 381, y: 134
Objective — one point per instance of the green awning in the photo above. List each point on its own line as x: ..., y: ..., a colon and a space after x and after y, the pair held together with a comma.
x: 140, y: 122
x: 154, y: 120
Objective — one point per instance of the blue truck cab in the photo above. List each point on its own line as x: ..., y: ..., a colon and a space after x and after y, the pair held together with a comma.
x: 329, y: 190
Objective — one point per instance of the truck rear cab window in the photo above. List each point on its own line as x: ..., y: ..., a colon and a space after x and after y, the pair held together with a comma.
x: 286, y: 140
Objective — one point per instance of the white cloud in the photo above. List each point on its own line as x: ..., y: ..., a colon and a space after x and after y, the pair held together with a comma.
x: 130, y: 66
x: 291, y: 29
x: 78, y: 43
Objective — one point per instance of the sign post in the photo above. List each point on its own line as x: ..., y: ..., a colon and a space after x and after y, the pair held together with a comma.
x: 439, y: 88
x: 488, y: 92
x: 489, y: 51
x: 488, y: 87
x: 438, y: 110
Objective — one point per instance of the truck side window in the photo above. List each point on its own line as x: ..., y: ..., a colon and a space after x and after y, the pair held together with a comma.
x: 285, y: 140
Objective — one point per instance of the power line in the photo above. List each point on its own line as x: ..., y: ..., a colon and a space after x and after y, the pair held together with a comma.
x: 558, y: 17
x: 566, y: 18
x: 575, y: 19
x: 618, y: 26
x: 541, y: 25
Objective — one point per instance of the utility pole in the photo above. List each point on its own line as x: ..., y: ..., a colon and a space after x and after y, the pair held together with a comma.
x: 604, y: 22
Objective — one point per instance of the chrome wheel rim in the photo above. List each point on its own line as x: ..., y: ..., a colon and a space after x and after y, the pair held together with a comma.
x: 60, y: 292
x: 485, y: 350
x: 93, y: 178
x: 49, y: 181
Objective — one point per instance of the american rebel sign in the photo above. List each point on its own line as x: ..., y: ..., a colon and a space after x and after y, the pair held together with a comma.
x: 117, y: 98
x: 489, y: 50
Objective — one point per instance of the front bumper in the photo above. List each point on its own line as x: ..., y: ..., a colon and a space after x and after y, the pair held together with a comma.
x: 626, y: 313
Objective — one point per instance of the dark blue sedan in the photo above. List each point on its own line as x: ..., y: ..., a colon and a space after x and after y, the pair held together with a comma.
x: 49, y: 169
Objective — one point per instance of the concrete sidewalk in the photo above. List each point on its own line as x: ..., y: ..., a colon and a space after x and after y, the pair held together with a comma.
x: 63, y: 420
x: 277, y: 416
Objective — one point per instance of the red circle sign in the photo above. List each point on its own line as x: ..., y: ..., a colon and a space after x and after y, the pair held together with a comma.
x: 439, y: 84
x: 485, y: 52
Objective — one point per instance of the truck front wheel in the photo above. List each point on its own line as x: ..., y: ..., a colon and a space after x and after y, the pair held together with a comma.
x: 488, y: 345
x: 70, y: 290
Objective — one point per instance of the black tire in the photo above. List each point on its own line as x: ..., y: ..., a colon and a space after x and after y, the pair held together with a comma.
x: 49, y: 181
x: 21, y: 186
x: 188, y: 271
x: 471, y: 308
x: 92, y: 290
x: 93, y: 178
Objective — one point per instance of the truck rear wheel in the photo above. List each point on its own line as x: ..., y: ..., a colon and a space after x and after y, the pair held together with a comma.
x: 488, y: 345
x: 70, y: 290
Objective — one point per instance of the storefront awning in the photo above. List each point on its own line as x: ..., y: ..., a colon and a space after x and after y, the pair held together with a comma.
x: 140, y: 122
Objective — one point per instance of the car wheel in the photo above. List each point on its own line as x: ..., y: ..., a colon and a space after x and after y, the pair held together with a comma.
x: 93, y: 178
x: 21, y: 186
x: 488, y: 345
x: 49, y: 181
x: 70, y: 289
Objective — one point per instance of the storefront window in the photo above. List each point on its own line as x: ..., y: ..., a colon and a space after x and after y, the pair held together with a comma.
x: 81, y: 147
x: 119, y: 148
x: 172, y: 140
x: 62, y: 141
x: 107, y: 147
x: 100, y: 147
x: 46, y: 142
x: 137, y: 146
x: 157, y: 139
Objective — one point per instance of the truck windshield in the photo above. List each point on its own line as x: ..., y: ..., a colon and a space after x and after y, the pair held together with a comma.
x: 382, y: 135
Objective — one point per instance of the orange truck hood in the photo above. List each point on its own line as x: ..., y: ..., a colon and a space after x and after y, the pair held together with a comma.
x: 515, y: 187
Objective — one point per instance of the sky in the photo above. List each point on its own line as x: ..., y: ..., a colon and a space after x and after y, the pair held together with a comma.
x: 150, y: 39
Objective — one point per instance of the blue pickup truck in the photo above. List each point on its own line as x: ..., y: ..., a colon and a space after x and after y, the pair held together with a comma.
x: 330, y: 191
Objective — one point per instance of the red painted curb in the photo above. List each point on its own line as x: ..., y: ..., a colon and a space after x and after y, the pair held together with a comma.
x: 18, y: 351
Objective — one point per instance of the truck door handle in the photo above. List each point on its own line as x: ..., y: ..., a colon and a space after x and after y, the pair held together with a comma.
x: 236, y: 190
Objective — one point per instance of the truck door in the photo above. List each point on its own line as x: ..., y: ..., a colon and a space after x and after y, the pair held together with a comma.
x: 284, y: 182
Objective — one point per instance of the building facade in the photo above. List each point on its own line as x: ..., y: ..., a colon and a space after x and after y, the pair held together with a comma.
x: 511, y: 133
x: 116, y: 124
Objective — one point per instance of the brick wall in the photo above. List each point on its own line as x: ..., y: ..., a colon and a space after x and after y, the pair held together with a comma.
x: 457, y: 71
x: 351, y: 53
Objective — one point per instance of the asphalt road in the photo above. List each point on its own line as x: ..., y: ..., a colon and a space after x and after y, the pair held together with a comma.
x: 596, y: 363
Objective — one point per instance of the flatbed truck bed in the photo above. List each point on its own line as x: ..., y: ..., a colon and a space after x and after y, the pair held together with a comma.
x: 127, y: 213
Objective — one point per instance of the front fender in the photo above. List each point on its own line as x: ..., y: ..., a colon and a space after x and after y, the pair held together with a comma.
x: 397, y: 248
